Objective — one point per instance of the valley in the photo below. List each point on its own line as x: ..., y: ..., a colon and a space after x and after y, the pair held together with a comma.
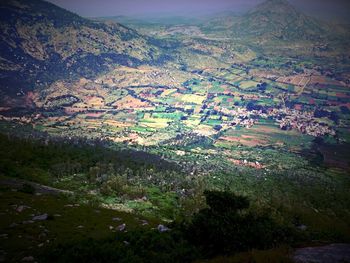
x: 240, y: 105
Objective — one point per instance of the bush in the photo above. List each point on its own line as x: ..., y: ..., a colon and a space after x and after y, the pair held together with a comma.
x: 226, y: 226
x: 223, y: 201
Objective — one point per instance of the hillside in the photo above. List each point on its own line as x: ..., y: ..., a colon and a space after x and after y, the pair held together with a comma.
x: 273, y: 19
x: 41, y: 43
x: 279, y: 19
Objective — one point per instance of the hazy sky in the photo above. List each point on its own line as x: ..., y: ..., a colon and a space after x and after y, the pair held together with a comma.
x: 95, y: 8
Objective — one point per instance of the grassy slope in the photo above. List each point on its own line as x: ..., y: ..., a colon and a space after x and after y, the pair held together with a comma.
x: 30, y: 239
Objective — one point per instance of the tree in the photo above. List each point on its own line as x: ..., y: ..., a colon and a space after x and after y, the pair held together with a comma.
x: 217, y: 127
x: 225, y: 201
x: 344, y: 110
x: 227, y: 226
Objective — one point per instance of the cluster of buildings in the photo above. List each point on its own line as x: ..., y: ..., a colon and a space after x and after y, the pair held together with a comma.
x: 241, y: 116
x: 288, y: 119
x: 303, y: 122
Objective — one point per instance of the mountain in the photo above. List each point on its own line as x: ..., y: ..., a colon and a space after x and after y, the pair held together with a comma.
x: 41, y: 43
x: 278, y: 19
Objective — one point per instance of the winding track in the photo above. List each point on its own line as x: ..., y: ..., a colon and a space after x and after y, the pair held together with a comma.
x: 39, y: 188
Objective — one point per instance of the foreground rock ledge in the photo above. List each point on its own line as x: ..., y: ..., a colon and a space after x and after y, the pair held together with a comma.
x: 334, y: 253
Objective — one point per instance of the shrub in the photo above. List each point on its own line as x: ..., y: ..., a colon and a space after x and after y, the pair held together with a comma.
x: 226, y: 226
x: 223, y: 201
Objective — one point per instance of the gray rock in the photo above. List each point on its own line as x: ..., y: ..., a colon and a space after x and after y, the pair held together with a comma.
x: 28, y: 259
x: 40, y: 217
x: 334, y: 253
x: 162, y: 228
x: 121, y: 227
x: 302, y: 227
x: 144, y: 222
x: 20, y: 208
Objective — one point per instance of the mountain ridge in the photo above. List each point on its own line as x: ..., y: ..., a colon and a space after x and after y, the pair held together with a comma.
x: 279, y: 19
x: 41, y: 43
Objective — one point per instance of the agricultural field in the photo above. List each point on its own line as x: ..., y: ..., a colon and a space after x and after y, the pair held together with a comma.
x: 229, y: 105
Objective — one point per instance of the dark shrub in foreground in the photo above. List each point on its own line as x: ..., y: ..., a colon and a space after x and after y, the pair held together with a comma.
x: 226, y: 227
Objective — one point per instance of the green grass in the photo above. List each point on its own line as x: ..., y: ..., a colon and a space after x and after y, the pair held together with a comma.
x: 165, y: 115
x: 63, y: 224
x: 141, y: 129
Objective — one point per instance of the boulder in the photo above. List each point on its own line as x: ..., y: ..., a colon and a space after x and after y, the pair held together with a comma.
x: 334, y: 253
x: 28, y: 259
x: 40, y: 217
x: 121, y: 227
x: 162, y: 228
